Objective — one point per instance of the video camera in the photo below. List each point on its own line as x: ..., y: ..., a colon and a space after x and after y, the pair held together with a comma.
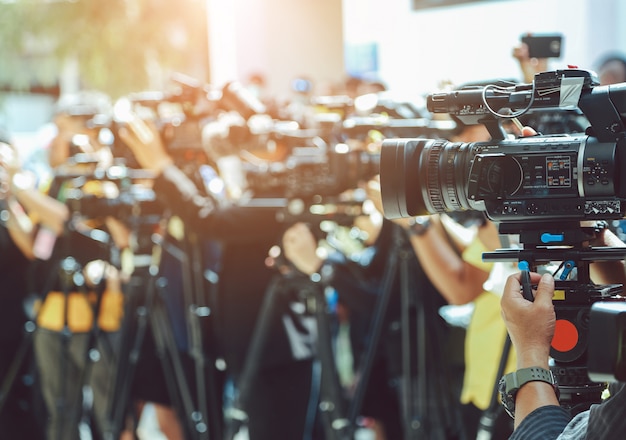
x: 321, y: 162
x: 177, y: 113
x: 538, y: 178
x: 111, y: 193
x: 541, y: 188
x: 313, y: 171
x: 181, y: 112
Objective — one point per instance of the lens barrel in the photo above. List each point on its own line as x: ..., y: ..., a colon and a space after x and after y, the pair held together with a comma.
x: 423, y: 176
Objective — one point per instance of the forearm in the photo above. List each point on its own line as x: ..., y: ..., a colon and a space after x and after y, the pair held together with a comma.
x: 537, y: 394
x: 181, y: 196
x: 48, y: 211
x: 23, y: 239
x: 457, y: 281
x: 608, y: 272
x: 201, y: 214
x: 59, y: 150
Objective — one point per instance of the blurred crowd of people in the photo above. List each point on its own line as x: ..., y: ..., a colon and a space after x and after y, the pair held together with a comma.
x: 160, y: 260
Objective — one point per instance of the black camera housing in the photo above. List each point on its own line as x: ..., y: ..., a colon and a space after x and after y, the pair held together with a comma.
x: 526, y: 179
x: 310, y: 172
x: 537, y: 178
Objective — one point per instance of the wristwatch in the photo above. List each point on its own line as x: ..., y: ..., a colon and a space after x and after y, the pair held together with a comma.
x: 509, y: 385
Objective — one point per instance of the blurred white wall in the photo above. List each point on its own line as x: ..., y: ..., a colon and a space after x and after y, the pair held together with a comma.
x: 281, y: 39
x: 418, y: 49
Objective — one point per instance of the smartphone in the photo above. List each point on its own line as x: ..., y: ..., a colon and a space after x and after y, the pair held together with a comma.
x: 543, y: 46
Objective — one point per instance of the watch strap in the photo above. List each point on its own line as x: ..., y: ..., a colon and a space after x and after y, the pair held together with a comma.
x: 516, y: 379
x: 511, y: 383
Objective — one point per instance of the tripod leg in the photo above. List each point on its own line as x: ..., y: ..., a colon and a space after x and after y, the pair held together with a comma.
x: 237, y: 416
x: 332, y: 409
x: 192, y: 421
x: 132, y: 335
x: 378, y: 321
x: 16, y: 364
x: 487, y: 421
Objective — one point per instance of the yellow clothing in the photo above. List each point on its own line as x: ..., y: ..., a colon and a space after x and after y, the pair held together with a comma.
x: 484, y: 339
x: 51, y: 314
x: 80, y: 311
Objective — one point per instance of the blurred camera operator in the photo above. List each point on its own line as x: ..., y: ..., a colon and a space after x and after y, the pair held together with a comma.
x: 23, y: 211
x: 279, y: 399
x: 82, y: 302
x: 612, y: 69
x: 359, y: 280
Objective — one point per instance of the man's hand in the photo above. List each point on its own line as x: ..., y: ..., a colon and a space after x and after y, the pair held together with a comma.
x: 300, y: 247
x: 530, y: 324
x: 531, y: 327
x: 146, y: 145
x: 529, y: 66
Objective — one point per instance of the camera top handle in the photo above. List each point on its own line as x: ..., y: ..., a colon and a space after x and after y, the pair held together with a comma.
x: 604, y: 106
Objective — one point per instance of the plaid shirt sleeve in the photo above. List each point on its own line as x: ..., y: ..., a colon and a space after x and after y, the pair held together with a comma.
x: 545, y: 423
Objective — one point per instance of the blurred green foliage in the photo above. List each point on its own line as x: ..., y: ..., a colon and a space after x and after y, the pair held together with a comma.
x: 120, y: 46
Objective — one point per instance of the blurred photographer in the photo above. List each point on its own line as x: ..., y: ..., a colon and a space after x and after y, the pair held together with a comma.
x: 359, y: 281
x: 81, y: 293
x: 528, y: 65
x: 384, y: 288
x: 612, y: 69
x: 23, y: 211
x: 279, y: 401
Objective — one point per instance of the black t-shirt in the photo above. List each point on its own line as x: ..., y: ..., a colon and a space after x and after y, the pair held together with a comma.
x: 14, y: 269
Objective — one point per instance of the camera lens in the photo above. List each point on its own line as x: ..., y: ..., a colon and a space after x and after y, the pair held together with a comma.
x: 423, y: 176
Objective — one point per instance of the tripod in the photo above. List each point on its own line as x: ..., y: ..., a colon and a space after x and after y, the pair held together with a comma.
x: 426, y: 400
x: 280, y: 284
x: 146, y: 310
x: 74, y: 250
x: 426, y: 405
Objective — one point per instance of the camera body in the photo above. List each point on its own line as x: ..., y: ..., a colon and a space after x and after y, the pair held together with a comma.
x: 525, y: 179
x: 114, y: 192
x: 311, y: 171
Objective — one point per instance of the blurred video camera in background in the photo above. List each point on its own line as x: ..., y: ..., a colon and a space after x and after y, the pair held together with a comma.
x: 89, y: 115
x: 279, y: 157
